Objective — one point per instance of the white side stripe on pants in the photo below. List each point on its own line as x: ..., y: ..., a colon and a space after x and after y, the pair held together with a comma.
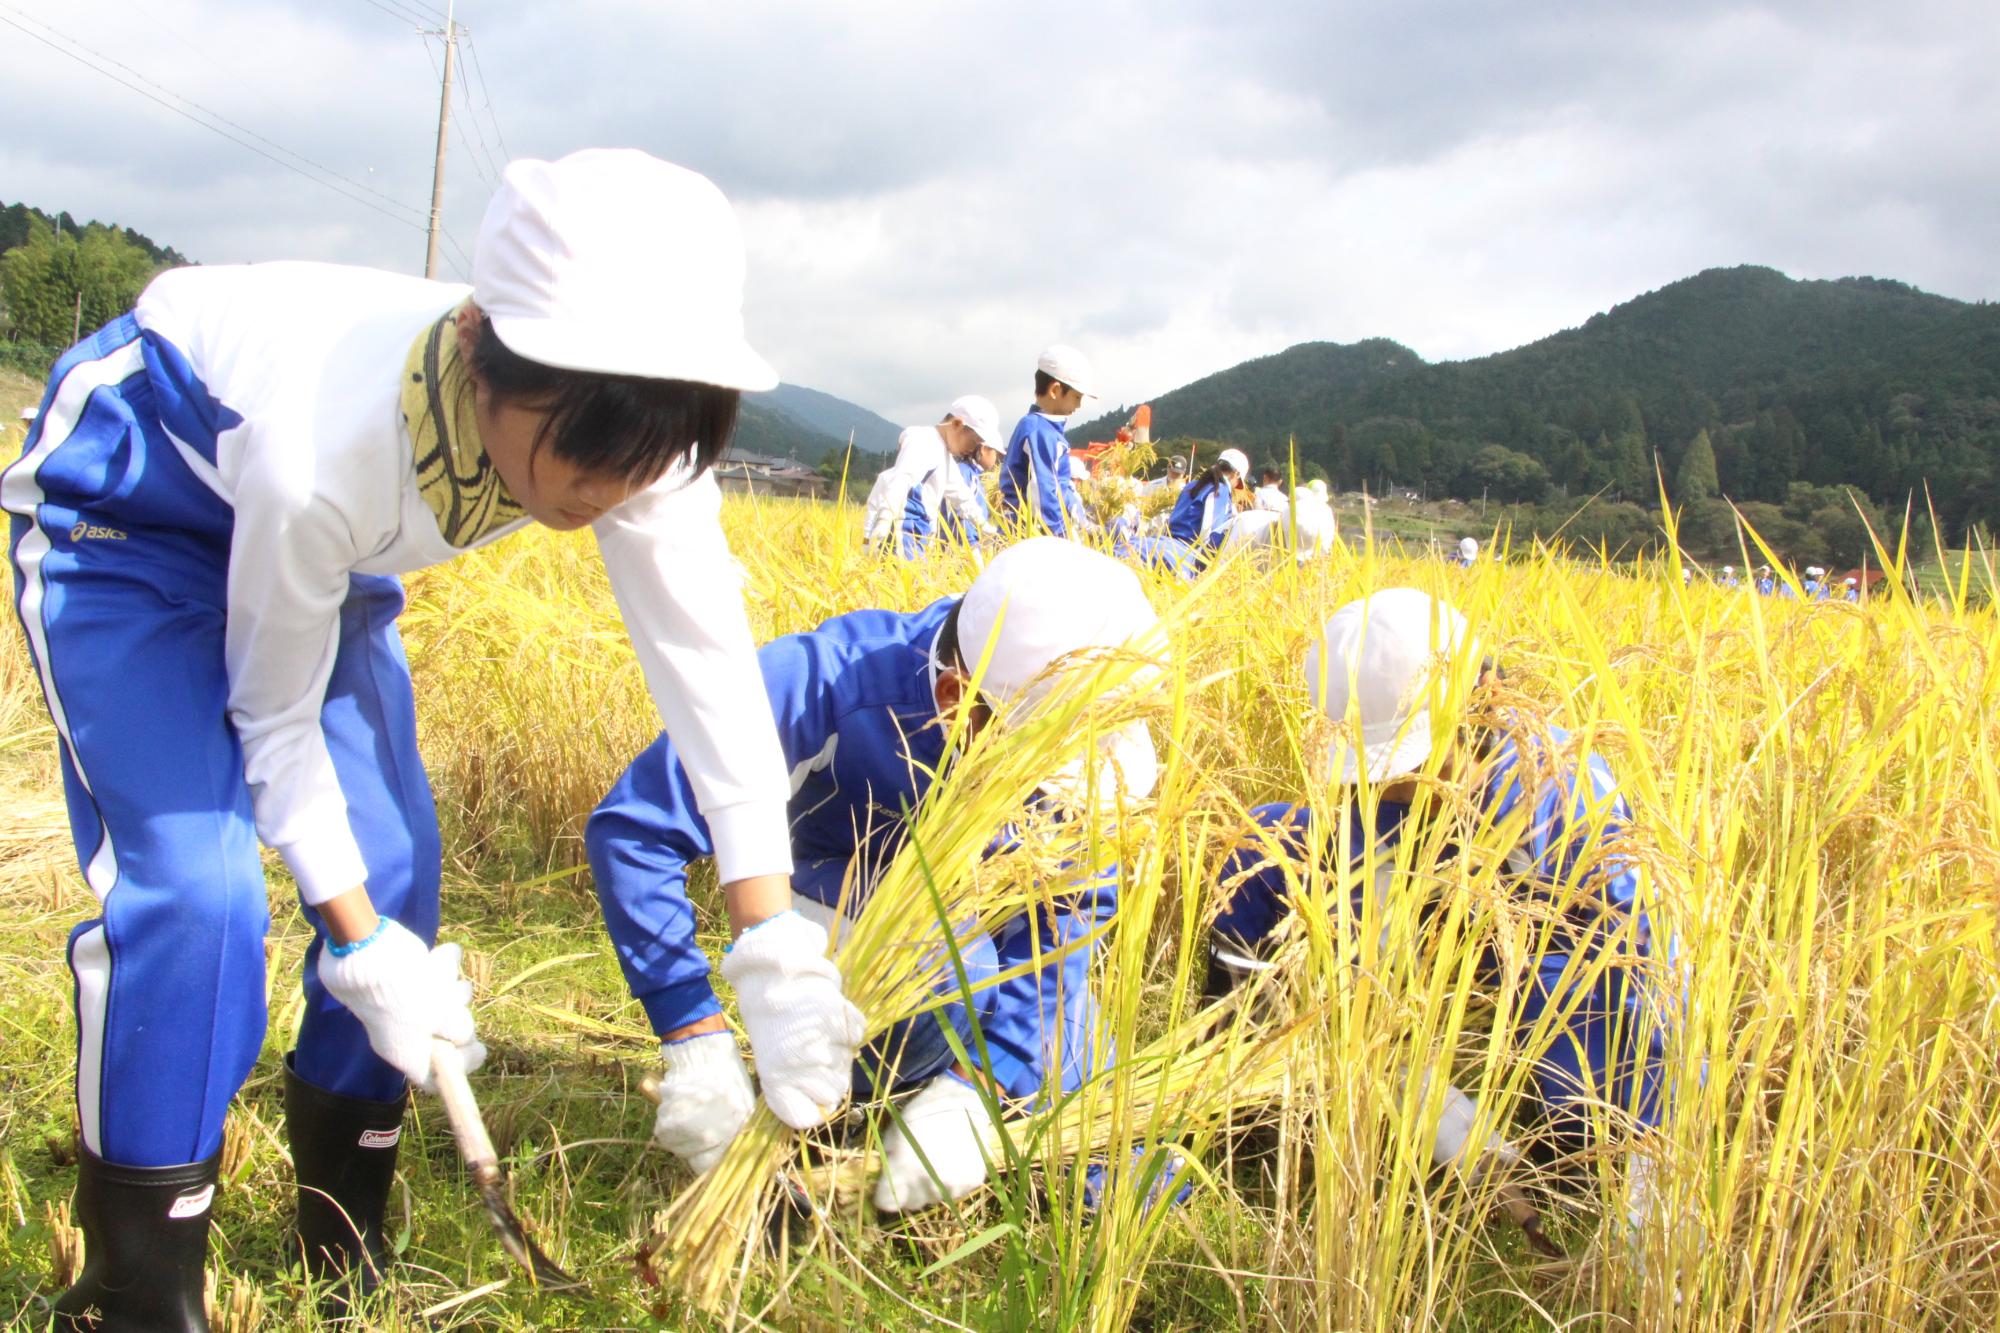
x: 90, y: 957
x: 21, y: 493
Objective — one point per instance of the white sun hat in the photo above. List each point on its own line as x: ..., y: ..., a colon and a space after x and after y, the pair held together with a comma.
x: 980, y: 414
x: 1384, y: 664
x: 1060, y: 361
x: 610, y: 260
x: 1317, y: 487
x: 1234, y: 460
x: 1051, y: 603
x: 1468, y: 548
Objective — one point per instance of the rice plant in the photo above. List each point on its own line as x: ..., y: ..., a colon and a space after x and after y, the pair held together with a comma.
x: 1817, y: 816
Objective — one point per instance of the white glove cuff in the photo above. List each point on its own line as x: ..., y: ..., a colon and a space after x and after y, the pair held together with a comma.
x: 777, y: 944
x: 711, y: 1052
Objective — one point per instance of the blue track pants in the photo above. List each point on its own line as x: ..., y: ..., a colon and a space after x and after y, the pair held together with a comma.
x: 120, y: 553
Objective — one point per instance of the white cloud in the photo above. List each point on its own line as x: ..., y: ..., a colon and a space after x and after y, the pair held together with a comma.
x: 931, y: 191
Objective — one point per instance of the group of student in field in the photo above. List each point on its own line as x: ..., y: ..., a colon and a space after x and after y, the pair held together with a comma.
x: 206, y: 525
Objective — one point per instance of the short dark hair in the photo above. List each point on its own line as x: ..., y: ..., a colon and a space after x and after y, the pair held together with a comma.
x: 1270, y: 476
x: 1045, y: 381
x: 624, y: 426
x: 948, y: 655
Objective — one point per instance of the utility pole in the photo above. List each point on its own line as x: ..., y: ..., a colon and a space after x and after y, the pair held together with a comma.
x: 444, y: 129
x: 76, y: 329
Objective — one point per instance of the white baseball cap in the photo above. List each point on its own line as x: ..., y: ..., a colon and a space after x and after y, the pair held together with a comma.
x: 610, y: 260
x: 1317, y: 487
x: 1062, y: 362
x: 1383, y: 664
x: 980, y: 414
x: 1729, y: 569
x: 1468, y: 548
x: 1052, y: 603
x: 30, y: 412
x: 1814, y: 572
x: 1234, y: 460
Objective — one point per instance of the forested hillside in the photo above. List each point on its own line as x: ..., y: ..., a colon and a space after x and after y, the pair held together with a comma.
x: 1738, y: 382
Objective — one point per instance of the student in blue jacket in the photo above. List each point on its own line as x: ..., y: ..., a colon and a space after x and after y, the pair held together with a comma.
x: 862, y: 704
x: 1037, y: 485
x: 206, y: 528
x: 1200, y: 518
x: 1393, y: 672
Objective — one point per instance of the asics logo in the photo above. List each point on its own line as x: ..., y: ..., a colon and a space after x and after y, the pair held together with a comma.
x: 193, y: 1203
x: 92, y: 532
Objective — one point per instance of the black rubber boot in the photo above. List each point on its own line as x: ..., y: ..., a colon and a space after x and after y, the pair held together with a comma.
x: 145, y: 1239
x: 344, y: 1159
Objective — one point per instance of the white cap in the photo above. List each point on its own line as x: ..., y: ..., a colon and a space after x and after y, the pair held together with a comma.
x: 1055, y: 601
x: 1468, y: 548
x: 1729, y: 569
x: 1234, y: 460
x: 30, y: 412
x: 1383, y: 663
x: 1062, y: 362
x: 1317, y: 487
x: 980, y: 414
x: 1815, y: 572
x: 610, y: 260
x: 1851, y: 581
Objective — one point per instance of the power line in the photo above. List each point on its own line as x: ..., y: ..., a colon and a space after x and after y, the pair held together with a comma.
x: 472, y: 49
x: 329, y: 178
x: 401, y: 11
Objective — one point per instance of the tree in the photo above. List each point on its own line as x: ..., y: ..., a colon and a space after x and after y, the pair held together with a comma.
x: 1506, y: 476
x: 1696, y: 480
x: 41, y: 282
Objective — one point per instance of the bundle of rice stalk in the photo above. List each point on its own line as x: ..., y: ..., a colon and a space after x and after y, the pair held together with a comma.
x: 1216, y: 1064
x: 937, y: 890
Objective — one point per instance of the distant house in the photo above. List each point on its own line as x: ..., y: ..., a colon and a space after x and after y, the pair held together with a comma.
x: 761, y: 474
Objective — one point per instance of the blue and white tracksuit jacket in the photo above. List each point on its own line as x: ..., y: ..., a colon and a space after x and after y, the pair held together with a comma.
x: 1195, y: 529
x: 1611, y: 1047
x: 205, y: 528
x: 923, y: 492
x: 859, y: 724
x: 1037, y: 488
x: 967, y: 529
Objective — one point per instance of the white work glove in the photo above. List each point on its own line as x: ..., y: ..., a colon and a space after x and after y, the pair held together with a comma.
x: 804, y: 1034
x: 406, y: 995
x: 705, y: 1096
x: 950, y: 1121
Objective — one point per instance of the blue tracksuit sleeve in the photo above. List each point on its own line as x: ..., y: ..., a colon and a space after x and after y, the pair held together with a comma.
x: 1041, y: 1027
x: 1252, y: 881
x: 640, y: 840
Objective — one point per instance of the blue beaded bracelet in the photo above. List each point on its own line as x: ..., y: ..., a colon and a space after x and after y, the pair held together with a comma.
x: 355, y: 946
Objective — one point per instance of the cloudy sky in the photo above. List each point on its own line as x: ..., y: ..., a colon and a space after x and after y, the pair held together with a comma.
x: 930, y: 191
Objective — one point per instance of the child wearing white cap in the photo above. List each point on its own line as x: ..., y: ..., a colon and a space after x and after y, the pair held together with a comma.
x: 1398, y: 675
x: 863, y: 703
x: 915, y: 496
x: 1201, y: 517
x: 1037, y: 481
x: 224, y: 484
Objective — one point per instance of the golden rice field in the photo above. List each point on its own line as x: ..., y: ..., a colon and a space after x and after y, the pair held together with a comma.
x: 1818, y: 820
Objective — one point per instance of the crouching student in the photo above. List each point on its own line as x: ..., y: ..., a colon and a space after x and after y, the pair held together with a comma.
x: 928, y: 488
x: 863, y: 704
x: 221, y: 487
x: 1200, y: 519
x: 1394, y: 673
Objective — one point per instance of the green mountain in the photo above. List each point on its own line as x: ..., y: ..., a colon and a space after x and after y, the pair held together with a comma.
x: 1858, y: 382
x: 762, y: 428
x: 833, y: 417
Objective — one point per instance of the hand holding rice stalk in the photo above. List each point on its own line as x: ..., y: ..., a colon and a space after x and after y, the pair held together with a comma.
x: 1076, y: 715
